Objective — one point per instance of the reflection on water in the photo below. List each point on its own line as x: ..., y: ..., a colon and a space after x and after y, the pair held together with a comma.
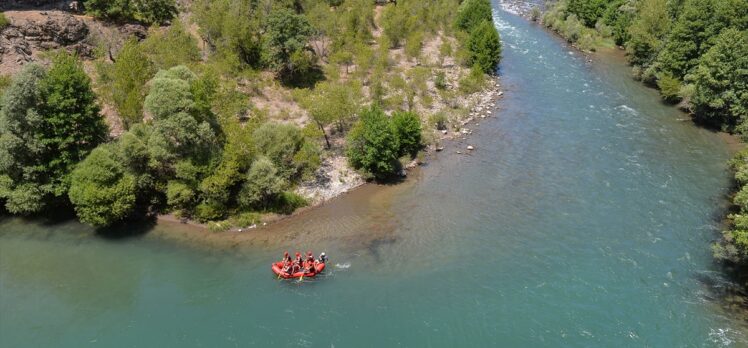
x: 583, y: 218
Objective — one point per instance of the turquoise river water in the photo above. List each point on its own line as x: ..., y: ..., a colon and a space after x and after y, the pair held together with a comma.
x: 583, y: 218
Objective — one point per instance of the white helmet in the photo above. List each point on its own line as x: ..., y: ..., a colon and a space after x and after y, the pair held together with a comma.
x: 323, y: 254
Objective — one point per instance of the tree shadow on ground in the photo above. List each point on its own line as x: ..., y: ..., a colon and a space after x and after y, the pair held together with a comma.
x: 305, y: 80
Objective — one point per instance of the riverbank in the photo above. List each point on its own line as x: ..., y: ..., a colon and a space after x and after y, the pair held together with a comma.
x: 335, y: 179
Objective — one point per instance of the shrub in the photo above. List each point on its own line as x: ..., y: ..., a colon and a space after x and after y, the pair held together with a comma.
x: 262, y: 187
x: 372, y: 144
x: 472, y: 13
x: 102, y: 191
x: 407, y: 127
x: 669, y: 88
x: 485, y: 47
x: 128, y: 75
x: 439, y: 120
x: 4, y: 22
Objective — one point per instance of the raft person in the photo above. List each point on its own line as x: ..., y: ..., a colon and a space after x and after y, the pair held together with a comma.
x: 322, y: 258
x: 309, y: 257
x: 286, y: 258
x: 298, y: 258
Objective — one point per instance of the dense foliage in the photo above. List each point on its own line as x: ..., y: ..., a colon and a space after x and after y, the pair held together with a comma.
x: 49, y: 121
x: 483, y: 44
x: 147, y: 11
x: 204, y: 113
x: 692, y: 50
x: 377, y: 141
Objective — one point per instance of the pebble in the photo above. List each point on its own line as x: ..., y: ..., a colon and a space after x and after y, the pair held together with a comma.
x: 470, y: 147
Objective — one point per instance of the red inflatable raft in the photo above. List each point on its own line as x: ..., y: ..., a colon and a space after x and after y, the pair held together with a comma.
x: 278, y: 270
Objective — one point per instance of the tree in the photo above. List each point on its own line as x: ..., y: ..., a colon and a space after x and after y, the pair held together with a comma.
x: 172, y: 46
x: 407, y: 127
x: 484, y: 45
x: 473, y: 13
x: 170, y: 93
x: 589, y: 11
x: 281, y: 143
x: 721, y: 81
x: 333, y: 102
x: 669, y: 88
x: 262, y: 186
x: 128, y: 75
x: 373, y: 145
x: 102, y: 191
x: 287, y: 33
x: 48, y: 123
x: 148, y: 11
x: 647, y: 31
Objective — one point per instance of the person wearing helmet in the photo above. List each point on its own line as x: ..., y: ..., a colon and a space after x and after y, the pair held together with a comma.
x: 322, y: 258
x: 298, y: 258
x: 286, y: 258
x: 309, y: 257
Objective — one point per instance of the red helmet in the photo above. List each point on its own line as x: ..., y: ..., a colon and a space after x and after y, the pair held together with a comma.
x: 309, y: 253
x: 298, y: 254
x: 285, y: 254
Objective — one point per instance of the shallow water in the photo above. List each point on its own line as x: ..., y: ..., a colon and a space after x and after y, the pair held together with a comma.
x: 583, y: 218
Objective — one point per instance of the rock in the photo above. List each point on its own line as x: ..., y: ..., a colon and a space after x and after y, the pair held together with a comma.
x: 439, y: 148
x: 444, y: 131
x: 403, y: 173
x: 459, y: 152
x: 470, y: 147
x: 501, y: 93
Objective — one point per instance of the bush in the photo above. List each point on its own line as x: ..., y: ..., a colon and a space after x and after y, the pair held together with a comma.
x: 102, y: 191
x: 439, y: 120
x: 128, y: 76
x: 669, y: 88
x: 373, y: 145
x: 473, y: 82
x: 4, y: 22
x: 262, y: 187
x: 147, y: 11
x: 485, y: 47
x: 407, y: 127
x: 472, y: 13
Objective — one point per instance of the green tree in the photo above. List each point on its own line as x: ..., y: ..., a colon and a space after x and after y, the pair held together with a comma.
x: 473, y: 13
x: 485, y: 47
x: 589, y: 11
x: 333, y: 102
x: 148, y: 11
x: 407, y: 127
x: 669, y: 88
x: 48, y: 123
x: 373, y: 145
x: 102, y: 191
x: 128, y: 75
x: 287, y: 33
x: 169, y: 47
x: 263, y: 185
x: 721, y: 81
x: 648, y: 31
x: 282, y: 144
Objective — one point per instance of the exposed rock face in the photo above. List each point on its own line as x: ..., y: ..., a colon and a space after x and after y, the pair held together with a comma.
x: 19, y: 40
x: 36, y: 4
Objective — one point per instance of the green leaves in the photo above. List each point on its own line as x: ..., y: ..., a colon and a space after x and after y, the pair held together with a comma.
x: 407, y: 127
x: 485, y: 47
x: 102, y: 191
x: 721, y: 81
x: 473, y: 13
x: 148, y: 11
x: 49, y: 122
x: 373, y: 144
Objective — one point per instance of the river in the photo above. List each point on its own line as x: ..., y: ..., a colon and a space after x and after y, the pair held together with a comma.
x: 583, y: 218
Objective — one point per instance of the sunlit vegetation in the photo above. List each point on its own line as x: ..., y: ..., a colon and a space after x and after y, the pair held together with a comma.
x: 223, y: 113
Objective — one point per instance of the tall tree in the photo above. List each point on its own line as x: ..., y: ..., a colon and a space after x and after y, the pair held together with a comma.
x: 721, y: 81
x: 49, y: 122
